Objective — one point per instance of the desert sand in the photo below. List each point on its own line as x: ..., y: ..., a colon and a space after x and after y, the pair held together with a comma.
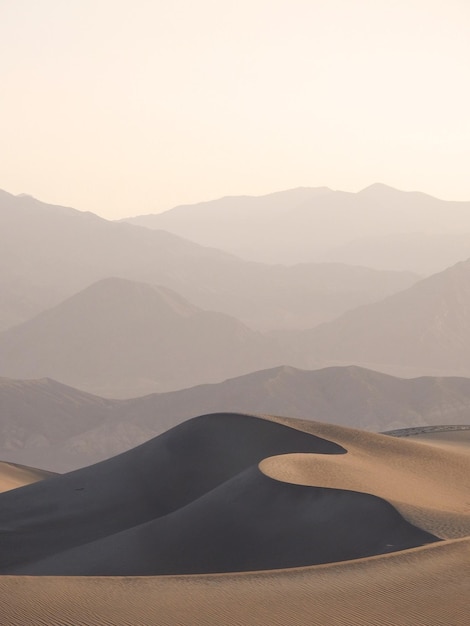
x: 13, y: 476
x: 323, y: 525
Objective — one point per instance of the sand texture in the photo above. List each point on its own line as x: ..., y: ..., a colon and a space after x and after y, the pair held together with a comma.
x: 239, y: 519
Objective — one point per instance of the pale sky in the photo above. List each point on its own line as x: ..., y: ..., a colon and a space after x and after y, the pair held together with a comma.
x: 123, y: 107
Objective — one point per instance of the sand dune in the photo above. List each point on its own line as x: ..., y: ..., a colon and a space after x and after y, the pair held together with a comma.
x: 421, y: 587
x: 250, y: 522
x: 142, y: 484
x: 13, y: 476
x: 227, y: 493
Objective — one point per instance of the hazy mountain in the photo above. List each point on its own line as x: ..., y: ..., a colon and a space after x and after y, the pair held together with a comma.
x: 122, y: 338
x: 61, y: 250
x: 425, y: 253
x: 48, y: 253
x: 41, y: 413
x: 49, y: 425
x: 302, y: 225
x: 422, y: 330
x: 248, y: 226
x: 304, y: 295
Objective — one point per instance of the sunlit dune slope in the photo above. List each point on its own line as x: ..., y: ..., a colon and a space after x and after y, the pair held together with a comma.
x: 430, y: 486
x: 13, y: 476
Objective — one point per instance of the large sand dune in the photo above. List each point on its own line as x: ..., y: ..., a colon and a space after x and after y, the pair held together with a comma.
x: 238, y: 493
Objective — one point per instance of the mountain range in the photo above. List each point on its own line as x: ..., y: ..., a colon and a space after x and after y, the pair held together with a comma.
x: 422, y: 330
x: 46, y: 424
x: 380, y: 227
x: 48, y: 253
x: 122, y: 338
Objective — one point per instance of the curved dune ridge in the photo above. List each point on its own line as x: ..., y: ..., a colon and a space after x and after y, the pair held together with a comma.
x: 141, y: 485
x: 13, y: 476
x: 315, y: 512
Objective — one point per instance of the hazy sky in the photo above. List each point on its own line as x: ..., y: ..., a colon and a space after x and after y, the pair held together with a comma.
x: 123, y: 107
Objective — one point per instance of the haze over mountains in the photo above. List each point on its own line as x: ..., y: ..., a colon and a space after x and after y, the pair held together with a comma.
x: 379, y: 227
x: 46, y: 424
x: 122, y: 338
x: 422, y: 330
x: 48, y: 253
x: 118, y: 337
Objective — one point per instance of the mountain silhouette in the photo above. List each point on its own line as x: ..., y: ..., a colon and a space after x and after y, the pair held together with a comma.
x: 122, y: 338
x: 319, y: 224
x: 48, y: 253
x: 47, y: 424
x: 423, y: 330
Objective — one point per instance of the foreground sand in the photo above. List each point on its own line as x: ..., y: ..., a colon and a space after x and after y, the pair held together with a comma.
x: 421, y: 587
x: 429, y: 486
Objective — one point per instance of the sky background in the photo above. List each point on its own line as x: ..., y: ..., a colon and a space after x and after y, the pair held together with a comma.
x: 126, y: 107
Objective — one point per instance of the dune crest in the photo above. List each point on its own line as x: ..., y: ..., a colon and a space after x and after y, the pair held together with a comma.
x: 428, y: 485
x: 301, y: 510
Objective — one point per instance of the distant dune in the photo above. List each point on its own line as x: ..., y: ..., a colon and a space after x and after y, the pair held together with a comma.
x: 388, y: 514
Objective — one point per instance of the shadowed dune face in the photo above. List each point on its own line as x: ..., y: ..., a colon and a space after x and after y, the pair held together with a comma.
x: 195, y: 501
x: 250, y: 522
x: 145, y: 483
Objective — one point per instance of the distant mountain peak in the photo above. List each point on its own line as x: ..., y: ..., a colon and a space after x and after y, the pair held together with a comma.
x: 376, y: 188
x: 121, y: 291
x: 26, y: 195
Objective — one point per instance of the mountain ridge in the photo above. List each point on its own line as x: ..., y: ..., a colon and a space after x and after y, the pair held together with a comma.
x: 120, y: 337
x: 48, y: 253
x: 43, y: 421
x: 309, y: 228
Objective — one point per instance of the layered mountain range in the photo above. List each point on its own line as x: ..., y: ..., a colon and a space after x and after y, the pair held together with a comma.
x: 46, y: 424
x: 379, y: 227
x: 422, y: 330
x: 49, y: 253
x: 122, y: 310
